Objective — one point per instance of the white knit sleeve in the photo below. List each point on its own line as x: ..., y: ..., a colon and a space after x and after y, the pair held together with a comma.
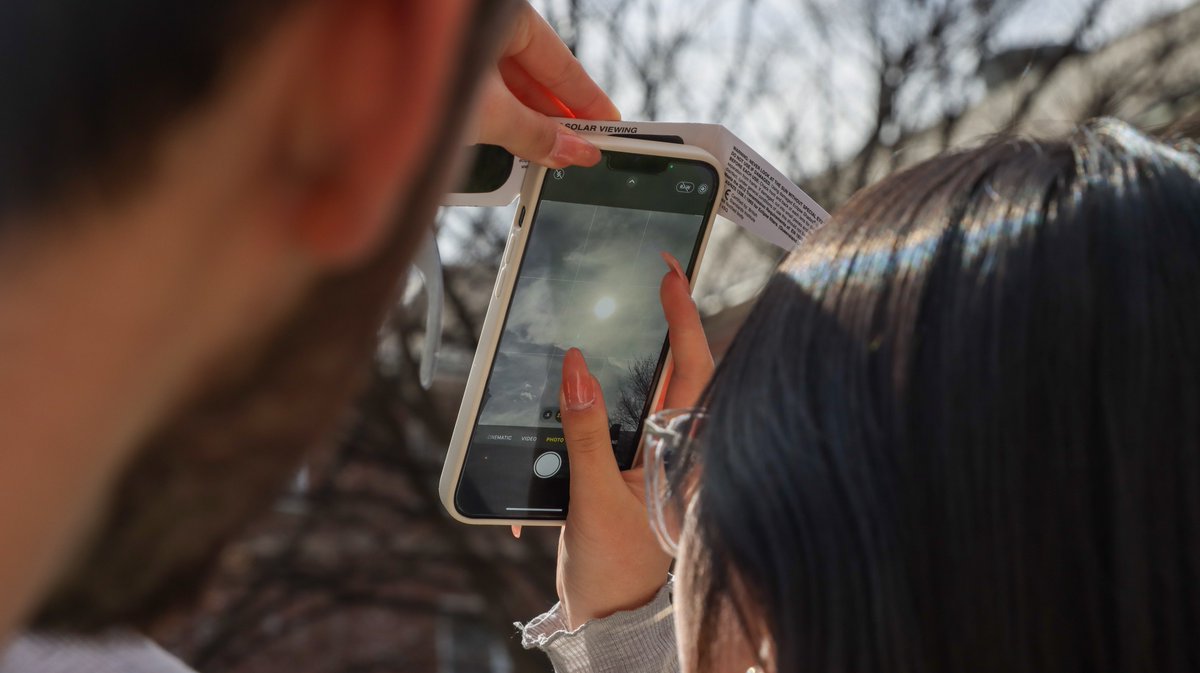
x: 636, y: 640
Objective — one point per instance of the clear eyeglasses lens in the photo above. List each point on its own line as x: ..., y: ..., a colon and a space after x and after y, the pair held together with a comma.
x: 665, y: 436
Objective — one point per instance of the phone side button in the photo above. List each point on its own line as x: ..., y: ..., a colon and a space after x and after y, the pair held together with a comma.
x: 510, y: 247
x: 499, y: 280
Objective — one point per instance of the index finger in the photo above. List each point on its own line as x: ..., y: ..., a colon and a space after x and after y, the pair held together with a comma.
x: 595, y: 474
x: 693, y: 361
x: 540, y: 52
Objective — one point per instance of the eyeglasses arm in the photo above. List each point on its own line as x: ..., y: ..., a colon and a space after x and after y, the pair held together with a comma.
x: 428, y: 264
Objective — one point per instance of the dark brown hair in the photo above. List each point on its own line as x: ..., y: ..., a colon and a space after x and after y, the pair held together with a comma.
x: 89, y: 86
x: 961, y: 429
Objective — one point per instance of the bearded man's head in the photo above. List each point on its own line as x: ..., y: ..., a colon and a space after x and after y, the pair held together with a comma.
x: 116, y: 83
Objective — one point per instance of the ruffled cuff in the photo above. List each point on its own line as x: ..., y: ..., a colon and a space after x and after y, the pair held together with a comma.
x: 635, y: 640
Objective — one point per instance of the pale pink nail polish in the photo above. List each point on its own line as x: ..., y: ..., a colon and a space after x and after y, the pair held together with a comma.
x: 571, y: 150
x: 579, y: 389
x: 674, y: 265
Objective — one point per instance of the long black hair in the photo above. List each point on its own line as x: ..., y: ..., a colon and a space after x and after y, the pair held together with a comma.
x: 961, y: 429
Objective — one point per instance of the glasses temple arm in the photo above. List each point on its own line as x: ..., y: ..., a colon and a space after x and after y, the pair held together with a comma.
x: 428, y: 264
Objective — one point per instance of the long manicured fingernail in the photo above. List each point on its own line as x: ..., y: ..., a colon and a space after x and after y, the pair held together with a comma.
x: 516, y: 531
x: 572, y: 150
x: 579, y: 389
x: 674, y: 264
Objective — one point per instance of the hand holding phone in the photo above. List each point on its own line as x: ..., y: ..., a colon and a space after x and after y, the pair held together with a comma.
x: 536, y: 79
x: 608, y: 558
x: 581, y: 270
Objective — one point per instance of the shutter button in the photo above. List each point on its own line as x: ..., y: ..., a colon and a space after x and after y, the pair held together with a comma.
x: 547, y: 465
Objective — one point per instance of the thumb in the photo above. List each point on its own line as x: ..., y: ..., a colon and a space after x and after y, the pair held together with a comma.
x: 593, y: 464
x: 532, y: 135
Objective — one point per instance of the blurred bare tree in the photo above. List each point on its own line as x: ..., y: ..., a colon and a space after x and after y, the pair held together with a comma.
x: 358, y: 569
x: 637, y: 385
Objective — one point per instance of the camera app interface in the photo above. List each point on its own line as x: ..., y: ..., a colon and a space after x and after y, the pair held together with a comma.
x: 589, y: 278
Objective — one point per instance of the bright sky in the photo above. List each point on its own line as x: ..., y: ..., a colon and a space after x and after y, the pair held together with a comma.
x: 1050, y: 21
x: 826, y: 93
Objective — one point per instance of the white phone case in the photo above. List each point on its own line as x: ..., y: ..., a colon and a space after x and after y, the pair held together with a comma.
x: 498, y: 307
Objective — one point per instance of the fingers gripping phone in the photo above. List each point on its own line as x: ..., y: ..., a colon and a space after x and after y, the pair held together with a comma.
x: 582, y: 268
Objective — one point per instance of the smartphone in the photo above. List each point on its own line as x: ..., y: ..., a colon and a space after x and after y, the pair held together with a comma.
x: 582, y: 268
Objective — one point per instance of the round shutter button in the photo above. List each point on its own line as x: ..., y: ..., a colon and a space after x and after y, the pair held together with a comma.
x: 547, y: 465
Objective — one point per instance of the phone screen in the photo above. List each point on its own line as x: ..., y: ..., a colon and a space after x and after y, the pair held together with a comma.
x: 589, y: 278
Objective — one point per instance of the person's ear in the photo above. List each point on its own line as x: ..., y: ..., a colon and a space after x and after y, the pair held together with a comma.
x: 362, y: 119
